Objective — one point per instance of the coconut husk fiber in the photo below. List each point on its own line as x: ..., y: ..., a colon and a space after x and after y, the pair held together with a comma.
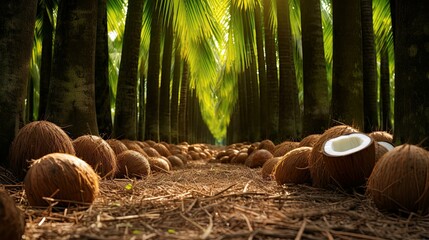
x: 400, y: 180
x: 257, y: 158
x: 117, y: 146
x: 309, y: 140
x: 98, y: 153
x: 267, y: 145
x: 319, y: 174
x: 61, y: 180
x: 12, y: 223
x: 268, y: 167
x: 381, y: 136
x: 293, y: 167
x: 284, y: 147
x: 35, y: 140
x: 132, y: 164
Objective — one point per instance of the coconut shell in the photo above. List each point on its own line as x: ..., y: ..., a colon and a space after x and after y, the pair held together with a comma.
x: 352, y: 169
x: 268, y: 167
x: 257, y: 158
x: 117, y: 146
x: 175, y: 161
x: 310, y: 140
x: 267, y: 145
x: 151, y: 152
x: 162, y: 149
x: 381, y: 136
x: 240, y: 158
x: 284, y: 147
x: 63, y: 177
x: 159, y: 164
x: 380, y: 150
x: 12, y: 223
x: 96, y: 152
x: 319, y: 174
x: 132, y: 164
x: 293, y: 167
x: 35, y: 140
x: 400, y: 182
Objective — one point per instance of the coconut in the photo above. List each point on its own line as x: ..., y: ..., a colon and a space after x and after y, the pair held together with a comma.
x: 151, y: 143
x: 162, y: 149
x: 267, y: 145
x: 284, y: 147
x: 268, y: 167
x: 151, y: 152
x: 96, y: 152
x: 159, y: 164
x: 62, y: 177
x: 132, y: 164
x: 12, y: 223
x: 175, y: 161
x: 381, y: 136
x: 257, y: 158
x: 134, y: 145
x: 319, y: 174
x: 381, y: 148
x: 240, y: 158
x: 399, y: 181
x: 293, y: 167
x: 117, y: 146
x: 310, y: 140
x: 35, y: 140
x: 349, y: 159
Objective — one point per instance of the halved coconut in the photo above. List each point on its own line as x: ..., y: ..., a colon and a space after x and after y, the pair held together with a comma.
x: 349, y: 159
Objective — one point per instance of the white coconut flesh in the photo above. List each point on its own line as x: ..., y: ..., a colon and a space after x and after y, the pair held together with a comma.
x: 387, y: 145
x: 346, y: 144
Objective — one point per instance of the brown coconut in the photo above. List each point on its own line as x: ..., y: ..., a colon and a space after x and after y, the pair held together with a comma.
x: 267, y: 145
x: 319, y: 174
x: 175, y: 161
x: 162, y: 149
x: 240, y: 158
x: 134, y: 145
x: 151, y: 152
x: 382, y: 148
x: 132, y: 164
x: 309, y: 140
x: 65, y: 178
x: 159, y: 164
x: 268, y: 167
x: 117, y: 146
x: 293, y: 167
x: 349, y: 159
x: 284, y: 147
x: 400, y: 180
x: 35, y: 140
x: 257, y: 158
x: 12, y: 223
x: 381, y: 136
x: 96, y: 152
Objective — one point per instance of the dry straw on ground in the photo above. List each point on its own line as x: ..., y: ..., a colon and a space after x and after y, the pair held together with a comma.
x: 218, y: 201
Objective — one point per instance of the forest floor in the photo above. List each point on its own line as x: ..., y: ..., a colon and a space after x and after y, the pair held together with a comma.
x: 218, y: 201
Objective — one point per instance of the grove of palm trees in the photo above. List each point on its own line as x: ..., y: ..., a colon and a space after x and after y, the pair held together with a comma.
x: 214, y: 119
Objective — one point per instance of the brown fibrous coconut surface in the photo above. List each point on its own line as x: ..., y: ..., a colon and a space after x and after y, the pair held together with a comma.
x: 12, y: 222
x: 35, y: 140
x: 132, y: 164
x: 218, y: 201
x: 60, y: 179
x: 293, y: 167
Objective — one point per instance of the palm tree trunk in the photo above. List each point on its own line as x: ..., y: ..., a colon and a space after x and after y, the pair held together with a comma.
x: 386, y: 123
x: 46, y: 60
x: 288, y: 95
x: 316, y: 96
x: 175, y: 96
x: 164, y: 98
x: 183, y: 102
x: 411, y: 73
x: 369, y: 68
x: 263, y: 93
x: 347, y: 80
x: 17, y: 22
x: 126, y: 97
x: 102, y: 89
x: 152, y: 101
x: 142, y: 101
x: 71, y: 100
x: 272, y: 78
x: 242, y: 103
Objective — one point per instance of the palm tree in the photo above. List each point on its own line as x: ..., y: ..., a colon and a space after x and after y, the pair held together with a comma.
x: 369, y: 68
x: 102, y: 89
x: 316, y: 96
x: 272, y: 77
x: 288, y: 95
x: 411, y: 81
x: 174, y: 109
x: 183, y: 102
x: 16, y: 38
x: 347, y: 81
x: 125, y: 124
x: 71, y: 100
